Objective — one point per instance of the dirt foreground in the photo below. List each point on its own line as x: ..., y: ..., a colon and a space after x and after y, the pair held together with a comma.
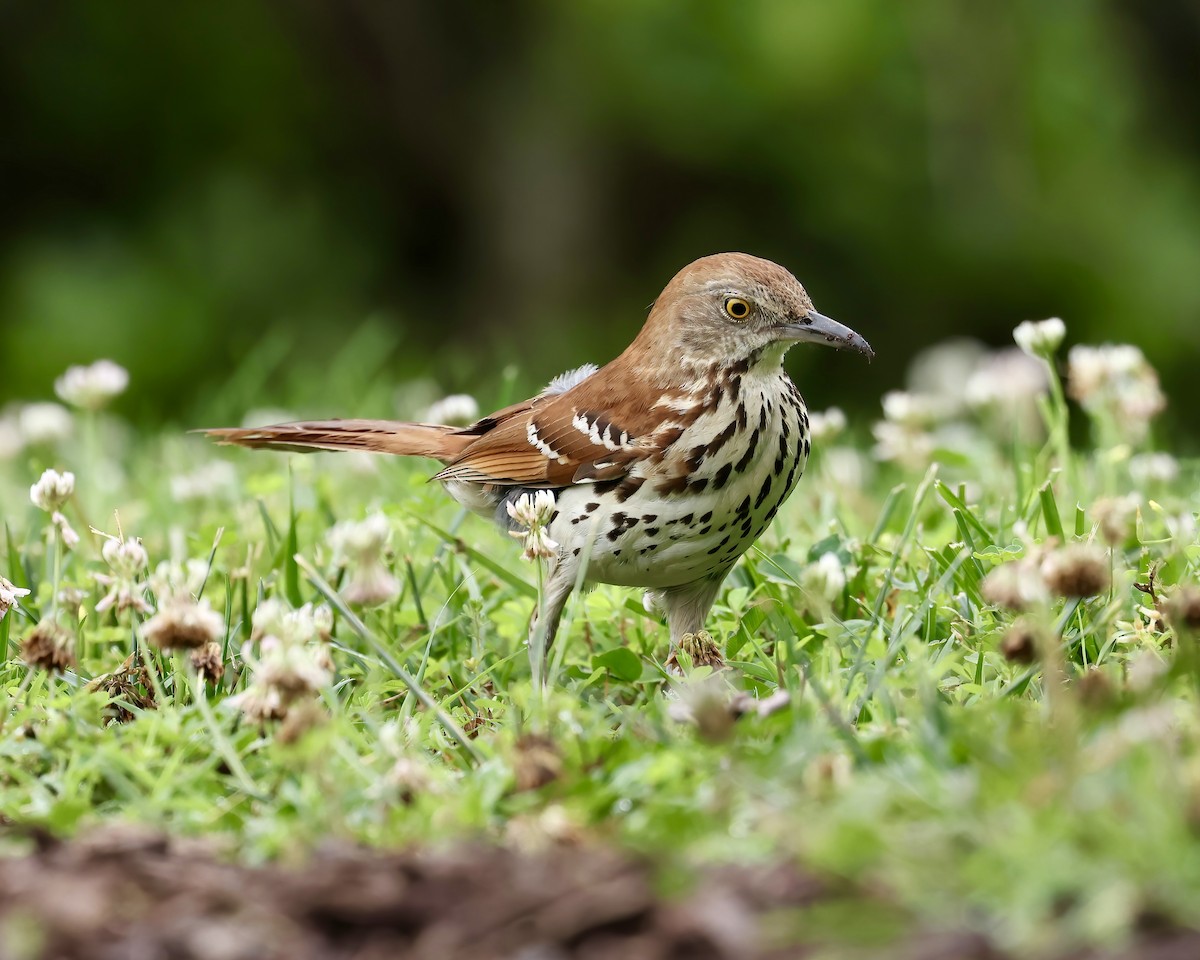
x: 136, y: 895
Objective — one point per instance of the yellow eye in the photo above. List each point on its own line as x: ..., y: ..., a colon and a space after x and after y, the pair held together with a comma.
x: 737, y: 308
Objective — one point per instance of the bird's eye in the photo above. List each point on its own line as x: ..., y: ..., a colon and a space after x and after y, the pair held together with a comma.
x: 737, y: 308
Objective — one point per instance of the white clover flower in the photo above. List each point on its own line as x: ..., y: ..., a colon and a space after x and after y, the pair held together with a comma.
x: 1004, y: 378
x: 274, y: 618
x: 173, y: 579
x: 70, y: 539
x: 1077, y: 570
x: 1115, y: 516
x: 11, y: 440
x: 531, y: 514
x: 939, y: 372
x: 291, y: 664
x: 457, y: 409
x: 127, y: 559
x: 912, y: 409
x: 532, y: 510
x: 904, y: 445
x: 207, y: 481
x: 10, y: 594
x: 1116, y: 380
x: 1040, y: 338
x: 358, y: 539
x: 825, y: 425
x: 826, y: 578
x: 359, y: 546
x: 1151, y: 468
x: 52, y: 490
x: 90, y: 388
x: 293, y: 668
x: 1018, y: 584
x: 44, y: 423
x: 259, y: 703
x: 847, y: 468
x: 538, y: 545
x: 184, y: 624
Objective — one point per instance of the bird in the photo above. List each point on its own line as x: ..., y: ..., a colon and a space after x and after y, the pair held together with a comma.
x: 665, y: 464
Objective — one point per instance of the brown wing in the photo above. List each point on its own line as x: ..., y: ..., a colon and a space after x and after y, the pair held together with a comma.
x: 589, y: 433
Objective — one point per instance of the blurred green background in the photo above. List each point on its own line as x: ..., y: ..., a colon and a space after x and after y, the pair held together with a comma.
x: 469, y: 185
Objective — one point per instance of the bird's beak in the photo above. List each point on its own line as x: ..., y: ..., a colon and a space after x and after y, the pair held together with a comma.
x: 814, y: 327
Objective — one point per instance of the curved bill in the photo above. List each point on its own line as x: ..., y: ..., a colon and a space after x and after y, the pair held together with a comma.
x: 818, y: 328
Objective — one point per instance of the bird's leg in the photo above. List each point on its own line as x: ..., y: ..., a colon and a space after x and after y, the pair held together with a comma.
x: 543, y: 625
x: 687, y: 606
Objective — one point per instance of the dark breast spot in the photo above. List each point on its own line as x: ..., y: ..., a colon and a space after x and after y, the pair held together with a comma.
x: 628, y: 487
x: 741, y: 465
x: 763, y: 493
x: 721, y: 477
x: 719, y: 545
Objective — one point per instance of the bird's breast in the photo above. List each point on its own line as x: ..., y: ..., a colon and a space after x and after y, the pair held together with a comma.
x: 692, y: 510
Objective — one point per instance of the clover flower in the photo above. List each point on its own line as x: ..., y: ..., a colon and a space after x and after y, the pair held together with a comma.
x: 1004, y: 379
x: 826, y: 578
x: 127, y: 560
x: 901, y: 444
x: 48, y: 647
x: 359, y: 546
x: 1040, y: 338
x: 1151, y: 468
x: 1077, y: 570
x: 184, y: 624
x: 209, y: 480
x: 52, y: 490
x: 1018, y: 584
x: 172, y: 578
x: 940, y: 372
x: 533, y: 513
x: 1117, y: 382
x: 827, y: 424
x: 1115, y: 517
x: 291, y: 664
x: 44, y: 423
x: 10, y: 594
x: 457, y: 409
x: 207, y: 662
x: 912, y: 409
x: 92, y: 387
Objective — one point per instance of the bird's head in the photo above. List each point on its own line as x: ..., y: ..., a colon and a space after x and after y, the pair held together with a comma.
x: 732, y: 306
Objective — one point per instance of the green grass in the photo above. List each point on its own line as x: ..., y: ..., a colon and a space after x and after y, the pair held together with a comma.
x: 1045, y: 804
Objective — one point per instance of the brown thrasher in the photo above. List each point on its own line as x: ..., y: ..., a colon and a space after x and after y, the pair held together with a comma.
x: 666, y: 464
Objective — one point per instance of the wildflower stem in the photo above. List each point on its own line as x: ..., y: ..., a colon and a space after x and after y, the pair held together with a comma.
x: 57, y: 536
x: 453, y: 729
x: 1059, y: 424
x: 222, y: 743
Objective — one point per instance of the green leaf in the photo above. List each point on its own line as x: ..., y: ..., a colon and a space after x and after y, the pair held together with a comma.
x: 1050, y: 510
x: 523, y: 586
x: 622, y: 663
x: 291, y: 573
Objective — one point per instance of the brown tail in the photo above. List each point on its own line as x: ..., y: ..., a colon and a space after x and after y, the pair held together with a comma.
x: 376, y: 436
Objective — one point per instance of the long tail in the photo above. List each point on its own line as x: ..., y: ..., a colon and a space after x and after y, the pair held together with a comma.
x: 376, y: 436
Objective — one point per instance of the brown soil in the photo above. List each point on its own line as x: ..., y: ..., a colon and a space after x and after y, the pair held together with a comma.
x: 130, y: 893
